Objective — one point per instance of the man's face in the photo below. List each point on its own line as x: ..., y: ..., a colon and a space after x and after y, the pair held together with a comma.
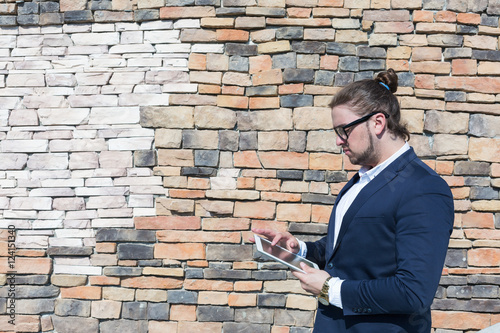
x: 359, y: 146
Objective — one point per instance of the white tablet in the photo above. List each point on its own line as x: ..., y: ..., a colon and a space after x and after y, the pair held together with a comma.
x: 281, y: 255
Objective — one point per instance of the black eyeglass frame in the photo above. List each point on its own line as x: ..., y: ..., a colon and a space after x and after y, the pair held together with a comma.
x: 341, y: 130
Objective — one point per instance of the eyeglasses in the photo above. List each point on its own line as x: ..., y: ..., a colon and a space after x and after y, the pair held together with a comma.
x: 342, y: 130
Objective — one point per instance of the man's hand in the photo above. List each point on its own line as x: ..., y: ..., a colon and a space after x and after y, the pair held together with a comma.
x: 283, y: 239
x: 313, y: 280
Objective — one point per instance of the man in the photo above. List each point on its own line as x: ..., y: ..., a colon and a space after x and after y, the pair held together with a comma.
x: 388, y: 234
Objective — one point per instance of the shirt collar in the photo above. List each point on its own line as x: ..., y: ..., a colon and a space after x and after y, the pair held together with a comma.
x: 369, y: 174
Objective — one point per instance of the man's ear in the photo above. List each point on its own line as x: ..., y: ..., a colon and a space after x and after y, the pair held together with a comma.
x: 380, y: 123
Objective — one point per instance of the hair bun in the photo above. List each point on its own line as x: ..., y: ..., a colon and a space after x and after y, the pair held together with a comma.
x: 388, y: 78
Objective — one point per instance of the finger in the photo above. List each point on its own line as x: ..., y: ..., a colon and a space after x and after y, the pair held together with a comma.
x: 265, y: 232
x: 307, y: 268
x: 276, y: 239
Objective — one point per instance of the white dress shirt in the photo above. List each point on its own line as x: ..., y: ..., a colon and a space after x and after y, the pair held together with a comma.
x: 365, y: 176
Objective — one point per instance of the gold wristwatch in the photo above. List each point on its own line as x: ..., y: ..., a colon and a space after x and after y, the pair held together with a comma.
x: 323, y: 297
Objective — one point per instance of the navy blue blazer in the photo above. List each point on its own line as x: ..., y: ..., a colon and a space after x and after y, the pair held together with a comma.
x: 390, y: 251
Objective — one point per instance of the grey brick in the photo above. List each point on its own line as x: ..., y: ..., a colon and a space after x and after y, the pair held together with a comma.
x: 238, y: 64
x: 371, y: 64
x: 290, y: 174
x: 296, y: 100
x: 484, y: 279
x: 263, y: 275
x: 78, y: 16
x: 483, y: 193
x: 484, y: 125
x: 26, y: 8
x: 406, y: 79
x: 324, y: 78
x: 182, y: 297
x: 445, y: 40
x: 490, y: 21
x: 228, y: 140
x: 142, y: 15
x: 215, y: 313
x: 49, y: 7
x: 248, y: 140
x: 158, y: 311
x: 78, y: 325
x: 194, y: 273
x: 314, y: 175
x: 363, y: 75
x: 290, y: 33
x: 433, y: 4
x: 101, y: 5
x: 297, y: 141
x: 452, y: 53
x: 482, y: 291
x: 343, y: 79
x: 300, y: 330
x: 198, y: 171
x: 32, y: 279
x: 69, y: 251
x: 33, y: 306
x: 254, y: 315
x: 453, y: 280
x: 122, y: 271
x: 467, y: 29
x: 289, y: 317
x: 230, y: 11
x: 336, y: 176
x: 271, y: 300
x: 32, y: 19
x: 262, y: 91
x: 477, y: 6
x: 318, y: 198
x: 144, y: 158
x: 341, y: 49
x: 31, y: 291
x: 349, y: 63
x: 207, y: 3
x: 135, y: 251
x: 150, y: 263
x: 477, y: 181
x: 497, y: 221
x: 308, y: 228
x: 134, y: 310
x: 51, y: 19
x: 72, y: 307
x: 456, y: 258
x: 6, y: 20
x: 484, y: 305
x: 122, y: 235
x: 233, y: 49
x: 246, y: 328
x: 229, y: 252
x: 179, y: 3
x: 440, y: 292
x: 287, y: 60
x: 456, y: 5
x: 471, y: 168
x: 455, y: 96
x: 124, y: 326
x: 459, y: 292
x: 371, y: 52
x: 208, y: 158
x: 225, y: 274
x: 309, y: 47
x: 294, y: 75
x: 220, y: 265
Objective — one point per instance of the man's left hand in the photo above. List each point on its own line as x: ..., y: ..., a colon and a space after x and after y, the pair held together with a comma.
x: 313, y: 280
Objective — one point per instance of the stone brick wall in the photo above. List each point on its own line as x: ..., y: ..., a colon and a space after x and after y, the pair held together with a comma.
x: 142, y: 139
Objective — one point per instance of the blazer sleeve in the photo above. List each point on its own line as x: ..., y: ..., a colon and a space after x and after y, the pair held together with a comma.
x: 316, y: 252
x: 424, y: 221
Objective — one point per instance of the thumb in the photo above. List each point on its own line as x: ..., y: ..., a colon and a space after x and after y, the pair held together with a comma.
x: 306, y: 268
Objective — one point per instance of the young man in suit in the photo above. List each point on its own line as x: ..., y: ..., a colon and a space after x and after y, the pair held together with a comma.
x: 388, y: 234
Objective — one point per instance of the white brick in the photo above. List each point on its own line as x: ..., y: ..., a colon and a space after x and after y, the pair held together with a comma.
x: 24, y: 146
x: 98, y: 182
x: 207, y: 48
x: 228, y: 172
x: 106, y: 202
x: 132, y: 48
x: 18, y: 135
x: 119, y: 212
x: 19, y: 224
x: 103, y: 27
x: 143, y: 99
x: 144, y: 211
x: 139, y: 181
x: 222, y: 183
x: 137, y: 189
x: 32, y: 242
x: 126, y: 26
x: 36, y: 102
x: 86, y: 90
x: 29, y: 41
x: 80, y: 50
x: 144, y: 62
x: 48, y: 161
x: 111, y: 159
x: 52, y: 192
x: 62, y: 182
x: 72, y: 261
x: 82, y: 214
x: 20, y: 214
x: 131, y: 37
x: 10, y: 102
x: 147, y: 89
x: 17, y: 91
x: 84, y: 270
x: 156, y: 25
x: 167, y: 77
x: 27, y: 52
x: 139, y: 172
x: 105, y: 38
x: 93, y: 79
x: 130, y: 144
x: 4, y: 203
x: 75, y: 242
x: 112, y: 223
x: 104, y: 61
x: 26, y: 80
x: 86, y: 160
x: 114, y: 172
x: 74, y: 233
x: 80, y: 101
x: 44, y: 174
x: 8, y: 41
x: 162, y: 36
x: 141, y: 201
x: 117, y: 115
x: 78, y: 145
x: 32, y: 64
x: 51, y: 215
x: 173, y: 48
x: 76, y: 116
x: 55, y: 91
x: 47, y: 224
x: 69, y: 204
x: 127, y: 78
x: 69, y: 63
x: 186, y: 23
x: 24, y: 117
x: 98, y: 191
x: 4, y: 117
x: 117, y: 89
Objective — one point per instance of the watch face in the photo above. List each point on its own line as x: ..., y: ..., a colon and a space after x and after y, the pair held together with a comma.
x: 323, y: 301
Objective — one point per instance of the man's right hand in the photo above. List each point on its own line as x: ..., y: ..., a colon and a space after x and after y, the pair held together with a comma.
x: 283, y: 239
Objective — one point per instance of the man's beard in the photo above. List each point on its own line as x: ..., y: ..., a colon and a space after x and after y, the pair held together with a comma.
x: 366, y: 157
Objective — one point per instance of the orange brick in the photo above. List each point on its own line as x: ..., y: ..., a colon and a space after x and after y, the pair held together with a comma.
x: 255, y: 210
x: 168, y: 222
x: 458, y: 320
x: 484, y: 257
x: 181, y: 312
x: 252, y: 265
x: 197, y: 263
x: 197, y: 61
x: 245, y: 183
x: 423, y: 16
x: 228, y: 101
x: 398, y: 64
x: 445, y: 167
x: 264, y: 103
x: 329, y: 62
x: 295, y: 88
x: 495, y: 170
x: 295, y: 12
x: 175, y: 193
x: 325, y: 161
x: 162, y: 327
x: 260, y: 63
x: 424, y: 81
x: 445, y: 16
x: 233, y: 90
x: 152, y: 282
x: 239, y: 300
x: 104, y: 281
x: 179, y: 251
x: 433, y: 67
x: 209, y: 89
x: 186, y: 12
x: 464, y: 67
x: 213, y: 297
x: 275, y: 225
x: 280, y: 197
x: 82, y: 292
x: 280, y: 329
x: 23, y: 323
x: 478, y: 220
x: 263, y: 184
x: 469, y: 18
x: 198, y: 183
x: 208, y: 285
x: 248, y: 285
x: 486, y: 85
x: 273, y: 76
x: 27, y: 265
x: 284, y: 160
x: 426, y: 53
x: 105, y: 247
x: 482, y: 234
x: 194, y: 326
x: 330, y: 3
x: 393, y: 27
x: 232, y: 35
x: 335, y: 188
x: 179, y: 236
x: 130, y: 263
x: 226, y: 223
x: 294, y: 212
x: 460, y: 192
x: 246, y: 159
x: 320, y: 213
